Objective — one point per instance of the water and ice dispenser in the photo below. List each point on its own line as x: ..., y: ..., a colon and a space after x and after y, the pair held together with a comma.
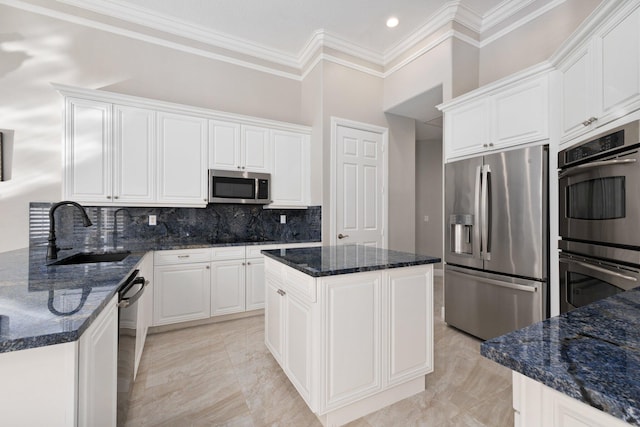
x: 461, y: 233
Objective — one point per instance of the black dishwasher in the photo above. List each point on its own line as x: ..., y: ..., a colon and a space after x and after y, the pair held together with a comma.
x: 128, y: 296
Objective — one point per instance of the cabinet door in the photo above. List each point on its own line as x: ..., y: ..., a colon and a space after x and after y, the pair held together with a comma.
x: 98, y: 370
x: 409, y: 297
x: 134, y: 154
x: 290, y: 177
x: 520, y: 114
x: 577, y: 92
x: 352, y: 355
x: 254, y: 284
x: 618, y: 47
x: 227, y: 287
x: 182, y: 165
x: 181, y: 293
x: 467, y: 129
x: 274, y: 319
x: 298, y: 330
x: 87, y: 168
x: 145, y: 307
x: 224, y: 145
x: 255, y: 149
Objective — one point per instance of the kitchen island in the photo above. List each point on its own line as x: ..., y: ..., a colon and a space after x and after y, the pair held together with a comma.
x: 581, y: 368
x: 351, y: 326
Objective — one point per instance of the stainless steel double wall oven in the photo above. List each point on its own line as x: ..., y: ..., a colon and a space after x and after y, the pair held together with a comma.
x: 599, y: 190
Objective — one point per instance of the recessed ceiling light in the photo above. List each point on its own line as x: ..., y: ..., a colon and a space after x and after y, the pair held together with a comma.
x: 392, y: 22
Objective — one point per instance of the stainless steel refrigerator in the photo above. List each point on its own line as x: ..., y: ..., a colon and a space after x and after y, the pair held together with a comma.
x: 496, y: 241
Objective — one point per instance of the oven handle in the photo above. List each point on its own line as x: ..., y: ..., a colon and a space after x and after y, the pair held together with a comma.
x: 577, y: 169
x: 600, y: 269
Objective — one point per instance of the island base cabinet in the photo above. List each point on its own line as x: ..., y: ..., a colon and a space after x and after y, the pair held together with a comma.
x: 537, y: 405
x: 352, y: 343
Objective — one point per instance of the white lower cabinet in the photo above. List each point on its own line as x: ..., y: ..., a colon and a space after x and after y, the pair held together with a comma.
x: 537, y: 405
x: 182, y: 290
x: 227, y: 287
x: 98, y: 370
x: 254, y: 284
x: 145, y: 307
x: 353, y: 343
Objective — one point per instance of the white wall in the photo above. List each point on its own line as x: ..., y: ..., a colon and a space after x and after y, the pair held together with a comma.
x: 429, y: 197
x: 37, y: 50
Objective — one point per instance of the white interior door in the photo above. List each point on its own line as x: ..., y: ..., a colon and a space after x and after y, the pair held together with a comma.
x: 359, y: 189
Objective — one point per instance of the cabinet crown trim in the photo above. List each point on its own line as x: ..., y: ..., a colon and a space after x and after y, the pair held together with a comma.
x: 158, y: 105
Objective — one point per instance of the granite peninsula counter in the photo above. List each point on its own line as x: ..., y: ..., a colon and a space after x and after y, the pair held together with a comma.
x: 351, y: 326
x: 579, y: 368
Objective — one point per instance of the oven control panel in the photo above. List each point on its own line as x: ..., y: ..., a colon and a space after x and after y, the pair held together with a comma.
x: 595, y: 146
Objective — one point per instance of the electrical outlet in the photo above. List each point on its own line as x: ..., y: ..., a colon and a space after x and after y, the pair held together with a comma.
x: 426, y: 218
x: 283, y: 219
x: 152, y: 220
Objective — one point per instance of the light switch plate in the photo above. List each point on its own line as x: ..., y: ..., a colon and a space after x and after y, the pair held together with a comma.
x: 283, y: 219
x: 152, y: 220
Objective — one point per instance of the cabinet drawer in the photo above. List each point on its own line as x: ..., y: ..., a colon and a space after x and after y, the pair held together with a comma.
x: 182, y: 256
x: 227, y: 252
x: 254, y: 251
x: 300, y: 284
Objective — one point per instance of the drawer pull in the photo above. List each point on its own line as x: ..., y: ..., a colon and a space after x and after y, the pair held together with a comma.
x: 281, y: 292
x: 183, y: 256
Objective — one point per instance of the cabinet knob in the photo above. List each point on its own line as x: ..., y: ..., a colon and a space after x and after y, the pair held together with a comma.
x: 207, y: 267
x: 115, y: 197
x: 248, y: 263
x: 108, y: 197
x: 243, y: 167
x: 485, y: 145
x: 238, y: 167
x: 243, y: 263
x: 491, y: 144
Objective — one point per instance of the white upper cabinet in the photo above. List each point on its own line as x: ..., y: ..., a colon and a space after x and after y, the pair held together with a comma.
x: 88, y: 151
x: 498, y: 117
x: 134, y: 154
x: 601, y: 78
x: 235, y: 146
x: 290, y: 176
x: 224, y: 147
x: 182, y: 160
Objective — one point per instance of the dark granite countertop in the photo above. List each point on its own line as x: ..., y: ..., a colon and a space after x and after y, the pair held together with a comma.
x: 591, y: 354
x: 334, y: 260
x: 33, y: 296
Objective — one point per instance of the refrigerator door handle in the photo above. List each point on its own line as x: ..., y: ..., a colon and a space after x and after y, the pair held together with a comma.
x: 486, y: 212
x: 477, y: 241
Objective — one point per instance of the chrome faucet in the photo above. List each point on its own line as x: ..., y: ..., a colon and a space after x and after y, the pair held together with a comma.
x: 52, y: 249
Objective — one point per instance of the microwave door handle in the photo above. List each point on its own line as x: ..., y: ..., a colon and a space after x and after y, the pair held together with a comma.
x: 604, y: 270
x: 477, y: 241
x: 577, y: 169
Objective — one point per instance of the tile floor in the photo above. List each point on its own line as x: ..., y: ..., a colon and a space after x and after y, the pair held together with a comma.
x: 223, y: 375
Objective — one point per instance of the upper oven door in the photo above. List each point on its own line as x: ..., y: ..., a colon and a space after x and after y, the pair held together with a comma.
x: 586, y: 280
x: 600, y: 200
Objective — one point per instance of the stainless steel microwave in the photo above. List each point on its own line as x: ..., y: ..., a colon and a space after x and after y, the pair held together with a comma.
x: 239, y: 187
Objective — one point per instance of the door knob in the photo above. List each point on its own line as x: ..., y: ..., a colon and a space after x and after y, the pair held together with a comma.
x: 342, y: 236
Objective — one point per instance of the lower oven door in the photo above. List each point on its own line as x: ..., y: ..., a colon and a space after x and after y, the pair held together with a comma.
x: 600, y: 200
x: 585, y: 280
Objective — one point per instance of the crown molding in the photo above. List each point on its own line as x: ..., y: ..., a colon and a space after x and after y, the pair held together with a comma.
x: 310, y: 55
x: 501, y: 12
x: 519, y: 23
x: 148, y: 18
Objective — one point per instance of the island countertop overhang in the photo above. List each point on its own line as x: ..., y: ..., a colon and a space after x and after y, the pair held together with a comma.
x: 334, y: 260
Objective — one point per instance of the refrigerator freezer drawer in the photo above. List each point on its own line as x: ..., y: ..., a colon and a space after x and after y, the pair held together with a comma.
x: 489, y: 305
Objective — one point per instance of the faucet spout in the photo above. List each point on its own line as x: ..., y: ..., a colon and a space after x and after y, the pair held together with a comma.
x: 52, y: 248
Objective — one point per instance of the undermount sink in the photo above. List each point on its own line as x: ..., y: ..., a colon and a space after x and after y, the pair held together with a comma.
x: 91, y: 257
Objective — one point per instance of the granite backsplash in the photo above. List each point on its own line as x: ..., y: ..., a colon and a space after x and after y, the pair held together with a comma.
x: 128, y: 227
